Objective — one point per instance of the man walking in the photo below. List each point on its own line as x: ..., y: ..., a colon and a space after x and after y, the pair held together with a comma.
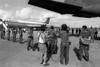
x: 84, y: 41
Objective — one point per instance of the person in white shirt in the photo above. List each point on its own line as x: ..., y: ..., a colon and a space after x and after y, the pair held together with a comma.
x: 42, y: 45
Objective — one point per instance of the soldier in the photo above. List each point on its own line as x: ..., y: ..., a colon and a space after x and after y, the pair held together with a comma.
x: 96, y: 32
x: 20, y: 35
x: 79, y: 30
x: 30, y: 39
x: 72, y: 31
x: 84, y: 41
x: 3, y: 33
x: 14, y: 34
x: 64, y: 47
x: 76, y: 31
x: 92, y: 32
x: 56, y: 32
x: 8, y: 34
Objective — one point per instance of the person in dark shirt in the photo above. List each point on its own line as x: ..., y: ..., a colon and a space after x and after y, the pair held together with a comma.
x: 84, y: 41
x: 79, y: 30
x: 8, y: 32
x: 92, y: 30
x: 64, y: 47
x: 20, y: 35
x: 96, y: 32
x: 76, y: 30
x: 14, y: 34
x: 51, y: 42
x: 3, y: 33
x: 30, y: 39
x: 72, y: 31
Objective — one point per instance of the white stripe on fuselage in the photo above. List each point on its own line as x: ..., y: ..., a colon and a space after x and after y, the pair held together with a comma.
x: 38, y: 23
x: 31, y: 22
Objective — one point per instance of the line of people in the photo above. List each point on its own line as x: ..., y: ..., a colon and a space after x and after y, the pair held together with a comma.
x: 77, y: 31
x: 11, y: 34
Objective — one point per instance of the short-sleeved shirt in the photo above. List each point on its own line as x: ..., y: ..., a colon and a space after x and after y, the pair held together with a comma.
x: 85, y: 33
x: 30, y: 33
x: 92, y: 31
x: 20, y: 32
x: 64, y: 37
x: 52, y: 33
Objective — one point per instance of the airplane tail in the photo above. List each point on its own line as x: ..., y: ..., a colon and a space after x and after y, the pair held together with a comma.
x: 47, y: 21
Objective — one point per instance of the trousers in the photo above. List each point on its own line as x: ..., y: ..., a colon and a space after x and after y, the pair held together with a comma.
x: 64, y: 54
x: 84, y: 51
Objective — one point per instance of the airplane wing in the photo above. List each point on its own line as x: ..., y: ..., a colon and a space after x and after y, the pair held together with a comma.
x: 63, y: 8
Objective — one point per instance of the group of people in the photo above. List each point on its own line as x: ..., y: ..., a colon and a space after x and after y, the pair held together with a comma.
x: 47, y: 41
x: 77, y: 31
x: 11, y: 34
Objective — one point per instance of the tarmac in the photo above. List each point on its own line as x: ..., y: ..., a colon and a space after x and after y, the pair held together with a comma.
x: 13, y: 54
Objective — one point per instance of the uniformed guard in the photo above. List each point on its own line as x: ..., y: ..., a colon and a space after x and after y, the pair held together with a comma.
x: 8, y: 33
x: 92, y: 31
x: 3, y: 33
x: 72, y: 31
x: 76, y: 30
x: 96, y: 32
x: 84, y: 41
x: 79, y: 30
x: 51, y: 42
x: 20, y: 35
x: 57, y: 34
x: 30, y: 39
x: 14, y: 34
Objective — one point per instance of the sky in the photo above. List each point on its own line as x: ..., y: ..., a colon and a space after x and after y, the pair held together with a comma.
x: 20, y: 10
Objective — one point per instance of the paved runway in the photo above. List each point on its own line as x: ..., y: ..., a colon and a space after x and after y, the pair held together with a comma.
x: 16, y: 55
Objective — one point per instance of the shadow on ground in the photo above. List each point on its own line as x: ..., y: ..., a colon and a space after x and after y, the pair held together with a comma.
x: 97, y: 38
x: 76, y: 50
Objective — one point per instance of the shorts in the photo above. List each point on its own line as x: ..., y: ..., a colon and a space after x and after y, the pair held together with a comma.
x: 42, y: 47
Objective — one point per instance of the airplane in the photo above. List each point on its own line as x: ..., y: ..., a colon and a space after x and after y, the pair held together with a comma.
x: 63, y: 8
x: 22, y: 24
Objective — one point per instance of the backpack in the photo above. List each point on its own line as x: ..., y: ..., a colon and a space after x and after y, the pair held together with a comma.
x: 42, y: 38
x: 86, y: 41
x: 85, y: 37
